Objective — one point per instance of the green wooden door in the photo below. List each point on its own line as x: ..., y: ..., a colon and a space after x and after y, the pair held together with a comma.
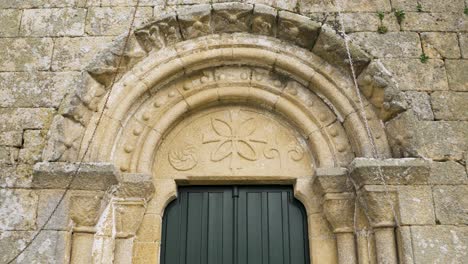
x: 235, y: 225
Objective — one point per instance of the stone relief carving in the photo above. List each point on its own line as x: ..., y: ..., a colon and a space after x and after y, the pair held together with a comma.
x: 233, y: 140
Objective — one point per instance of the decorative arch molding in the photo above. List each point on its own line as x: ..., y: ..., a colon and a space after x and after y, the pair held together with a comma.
x: 203, y: 62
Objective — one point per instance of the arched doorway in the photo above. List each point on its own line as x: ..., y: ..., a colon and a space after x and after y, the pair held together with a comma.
x: 235, y: 224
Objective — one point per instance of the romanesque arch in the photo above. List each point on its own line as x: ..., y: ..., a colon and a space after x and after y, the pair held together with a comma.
x: 169, y: 120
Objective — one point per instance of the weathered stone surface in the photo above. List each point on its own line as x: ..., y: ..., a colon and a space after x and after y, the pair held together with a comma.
x: 357, y: 22
x: 332, y: 48
x: 405, y: 245
x: 134, y: 185
x: 47, y: 202
x: 420, y: 103
x: 416, y: 205
x: 380, y: 204
x: 333, y: 180
x: 32, y: 147
x: 451, y: 204
x: 367, y: 171
x: 17, y: 209
x: 62, y: 145
x: 75, y: 53
x: 450, y: 105
x: 463, y: 37
x: 10, y: 20
x: 412, y: 75
x: 57, y: 175
x: 24, y: 118
x: 41, y: 89
x: 456, y: 72
x: 429, y: 6
x: 289, y: 5
x: 49, y: 246
x: 440, y: 45
x: 390, y: 45
x: 20, y: 54
x: 231, y: 17
x: 53, y: 22
x: 307, y: 6
x: 439, y: 244
x: 113, y: 21
x: 195, y: 21
x: 419, y: 21
x: 11, y: 138
x: 297, y: 29
x: 449, y: 172
x: 15, y: 175
x: 440, y: 140
x: 264, y: 20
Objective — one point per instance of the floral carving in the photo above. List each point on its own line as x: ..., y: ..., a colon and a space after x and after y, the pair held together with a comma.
x: 183, y: 160
x: 234, y: 138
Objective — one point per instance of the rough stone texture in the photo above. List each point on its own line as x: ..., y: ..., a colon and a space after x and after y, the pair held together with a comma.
x: 456, y: 72
x: 20, y: 54
x: 15, y: 176
x: 113, y: 21
x: 307, y: 6
x: 11, y: 138
x: 449, y: 172
x: 463, y: 37
x: 451, y: 204
x: 53, y: 22
x: 72, y: 53
x: 439, y: 244
x: 455, y: 6
x: 357, y: 22
x: 24, y: 118
x: 10, y: 20
x: 418, y: 21
x: 440, y: 45
x: 49, y: 247
x: 17, y: 209
x: 390, y: 45
x: 42, y: 89
x: 420, y: 103
x: 412, y: 75
x: 450, y: 105
x: 434, y: 140
x: 416, y: 205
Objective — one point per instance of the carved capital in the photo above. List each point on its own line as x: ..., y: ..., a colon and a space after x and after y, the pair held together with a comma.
x: 380, y: 204
x: 84, y: 210
x: 128, y: 215
x: 134, y: 185
x: 339, y: 210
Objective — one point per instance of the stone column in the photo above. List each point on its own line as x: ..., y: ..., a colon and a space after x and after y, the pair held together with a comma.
x: 339, y: 210
x: 380, y: 204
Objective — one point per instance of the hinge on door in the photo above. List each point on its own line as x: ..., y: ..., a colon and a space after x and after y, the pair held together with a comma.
x: 235, y: 192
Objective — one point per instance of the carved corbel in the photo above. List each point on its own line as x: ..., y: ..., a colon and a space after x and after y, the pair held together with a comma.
x: 232, y: 17
x: 298, y: 29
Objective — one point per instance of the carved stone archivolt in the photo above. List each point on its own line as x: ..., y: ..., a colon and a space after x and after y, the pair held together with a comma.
x: 217, y: 94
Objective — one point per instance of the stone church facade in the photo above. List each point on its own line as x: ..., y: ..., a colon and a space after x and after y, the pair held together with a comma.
x: 109, y: 108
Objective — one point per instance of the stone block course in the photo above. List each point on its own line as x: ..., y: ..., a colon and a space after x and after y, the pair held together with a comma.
x: 463, y: 38
x: 449, y: 172
x: 10, y: 21
x: 307, y: 6
x: 436, y: 6
x: 440, y: 244
x: 390, y: 45
x: 32, y: 148
x: 75, y: 53
x: 17, y: 209
x: 419, y: 21
x: 25, y: 118
x: 440, y: 45
x: 15, y: 175
x: 361, y: 22
x: 21, y: 54
x: 11, y: 138
x: 113, y: 21
x: 450, y: 105
x: 420, y: 103
x: 416, y: 205
x: 412, y: 75
x: 53, y: 22
x: 41, y: 89
x: 457, y: 74
x: 451, y: 204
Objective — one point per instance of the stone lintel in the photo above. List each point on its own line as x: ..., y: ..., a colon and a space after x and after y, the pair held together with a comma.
x: 406, y: 171
x: 90, y: 176
x: 333, y: 180
x: 339, y: 210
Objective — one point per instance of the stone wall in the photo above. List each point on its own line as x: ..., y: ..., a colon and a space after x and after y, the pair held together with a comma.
x: 47, y: 43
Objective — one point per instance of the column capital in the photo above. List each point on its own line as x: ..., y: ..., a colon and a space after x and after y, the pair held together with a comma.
x: 339, y: 209
x: 380, y: 204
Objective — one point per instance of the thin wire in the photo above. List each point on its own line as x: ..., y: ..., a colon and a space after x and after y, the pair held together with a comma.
x: 375, y: 153
x: 67, y: 188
